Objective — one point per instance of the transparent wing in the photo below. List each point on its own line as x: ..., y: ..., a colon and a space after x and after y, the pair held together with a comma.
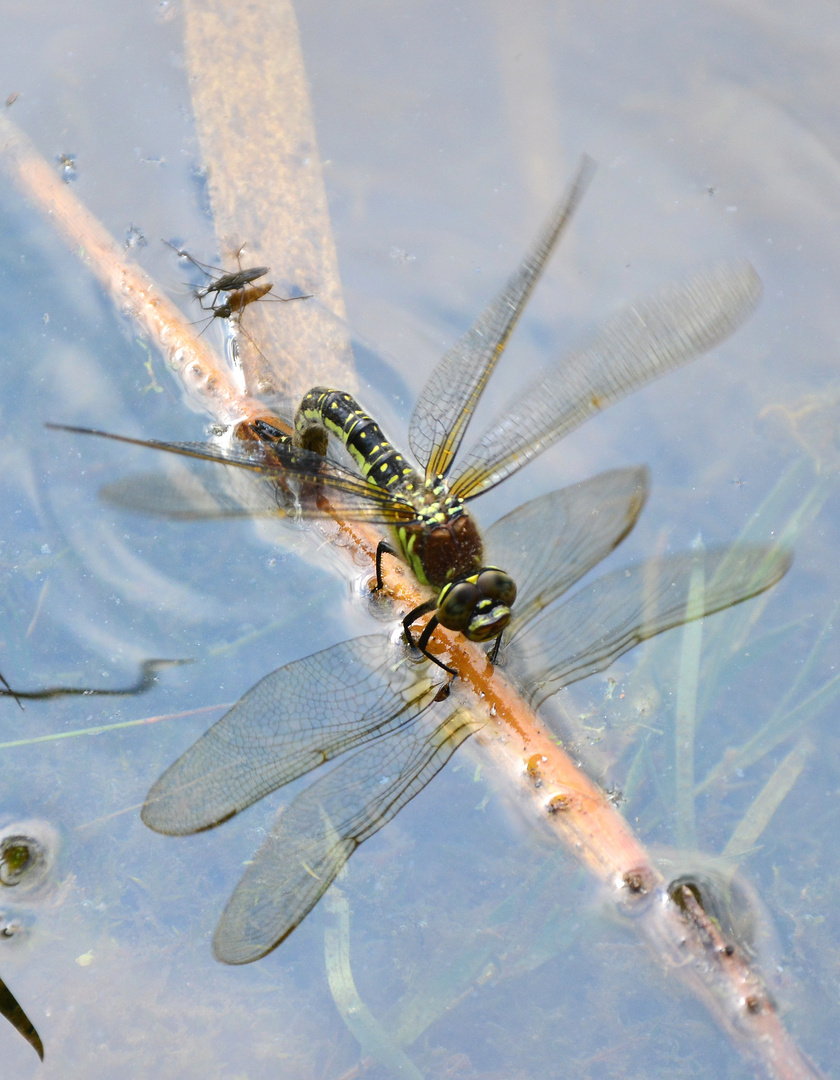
x: 316, y: 835
x: 315, y: 486
x: 551, y: 542
x: 292, y: 721
x: 449, y: 398
x: 186, y: 497
x: 208, y: 497
x: 635, y: 347
x: 587, y: 632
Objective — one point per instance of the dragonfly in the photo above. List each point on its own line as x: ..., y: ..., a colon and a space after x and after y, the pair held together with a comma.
x: 368, y: 703
x: 426, y: 506
x: 366, y: 699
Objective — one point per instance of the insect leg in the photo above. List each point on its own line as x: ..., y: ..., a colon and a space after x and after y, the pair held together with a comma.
x: 423, y: 640
x: 413, y: 616
x: 383, y: 548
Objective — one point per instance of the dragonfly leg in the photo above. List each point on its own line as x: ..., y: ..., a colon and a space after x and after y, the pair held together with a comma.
x: 494, y: 652
x: 413, y: 616
x: 428, y: 630
x: 382, y: 548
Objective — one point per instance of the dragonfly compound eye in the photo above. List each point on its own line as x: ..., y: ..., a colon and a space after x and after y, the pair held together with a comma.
x: 456, y: 605
x: 489, y: 619
x: 496, y: 584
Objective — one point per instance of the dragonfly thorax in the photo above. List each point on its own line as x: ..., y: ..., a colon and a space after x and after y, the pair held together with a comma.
x: 443, y: 545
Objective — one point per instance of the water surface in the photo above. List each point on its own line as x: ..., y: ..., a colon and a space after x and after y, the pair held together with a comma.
x: 446, y: 133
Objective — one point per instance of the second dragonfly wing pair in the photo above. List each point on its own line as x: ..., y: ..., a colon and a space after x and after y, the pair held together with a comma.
x: 365, y: 700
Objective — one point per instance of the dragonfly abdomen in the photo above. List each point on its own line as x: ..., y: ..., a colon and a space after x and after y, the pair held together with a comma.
x: 443, y: 544
x: 380, y: 462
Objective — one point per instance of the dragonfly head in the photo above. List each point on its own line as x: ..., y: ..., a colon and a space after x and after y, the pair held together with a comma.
x: 479, y: 606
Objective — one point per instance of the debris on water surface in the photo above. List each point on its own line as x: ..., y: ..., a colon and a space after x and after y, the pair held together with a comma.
x: 67, y: 165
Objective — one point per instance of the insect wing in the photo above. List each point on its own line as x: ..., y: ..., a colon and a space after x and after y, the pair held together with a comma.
x: 232, y: 281
x: 186, y: 497
x: 601, y: 622
x: 281, y: 463
x: 292, y: 721
x: 183, y: 496
x: 634, y: 347
x: 552, y: 541
x: 315, y: 836
x: 449, y: 398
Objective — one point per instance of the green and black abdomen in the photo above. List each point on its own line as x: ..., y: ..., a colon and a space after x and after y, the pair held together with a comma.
x: 442, y: 545
x: 341, y: 414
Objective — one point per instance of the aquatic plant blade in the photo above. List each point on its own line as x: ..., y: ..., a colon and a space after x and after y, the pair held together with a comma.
x: 316, y: 835
x: 636, y: 346
x: 587, y: 632
x: 448, y: 400
x: 10, y: 1008
x: 551, y: 542
x: 292, y: 721
x: 145, y: 681
x: 253, y: 114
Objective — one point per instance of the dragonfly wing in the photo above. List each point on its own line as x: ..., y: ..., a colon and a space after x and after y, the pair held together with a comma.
x: 304, y: 483
x: 292, y: 721
x: 185, y: 497
x: 222, y: 494
x: 634, y: 347
x: 552, y: 541
x: 449, y: 398
x: 591, y: 629
x: 315, y: 836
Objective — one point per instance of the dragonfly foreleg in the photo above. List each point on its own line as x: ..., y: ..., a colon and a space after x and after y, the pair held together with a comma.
x: 382, y: 548
x: 428, y: 630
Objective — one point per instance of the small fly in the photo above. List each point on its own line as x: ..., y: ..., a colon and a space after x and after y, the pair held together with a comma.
x: 231, y: 290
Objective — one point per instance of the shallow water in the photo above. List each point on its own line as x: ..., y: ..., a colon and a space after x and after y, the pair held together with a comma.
x: 447, y: 133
